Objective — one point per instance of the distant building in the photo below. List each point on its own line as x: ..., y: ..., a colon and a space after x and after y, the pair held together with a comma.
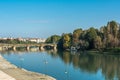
x: 22, y: 39
x: 37, y: 40
x: 3, y: 38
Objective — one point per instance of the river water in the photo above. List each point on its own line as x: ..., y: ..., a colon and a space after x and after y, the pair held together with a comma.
x: 68, y: 65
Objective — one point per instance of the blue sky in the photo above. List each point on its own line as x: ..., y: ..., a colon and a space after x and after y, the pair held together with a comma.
x: 42, y: 18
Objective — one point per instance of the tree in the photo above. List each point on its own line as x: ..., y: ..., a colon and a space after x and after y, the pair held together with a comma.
x: 118, y: 36
x: 83, y: 45
x: 111, y: 32
x: 113, y: 28
x: 53, y: 39
x: 76, y: 36
x: 90, y: 36
x: 66, y: 41
x: 107, y: 37
x: 98, y: 42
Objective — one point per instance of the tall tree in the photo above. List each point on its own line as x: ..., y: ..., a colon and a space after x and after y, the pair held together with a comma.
x: 113, y: 28
x: 98, y: 42
x: 76, y: 36
x: 53, y: 39
x: 90, y: 36
x: 66, y: 41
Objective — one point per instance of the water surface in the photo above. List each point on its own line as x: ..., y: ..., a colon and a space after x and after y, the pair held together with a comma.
x: 67, y: 65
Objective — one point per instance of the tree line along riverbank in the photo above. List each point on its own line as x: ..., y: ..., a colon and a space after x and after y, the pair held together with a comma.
x: 105, y: 38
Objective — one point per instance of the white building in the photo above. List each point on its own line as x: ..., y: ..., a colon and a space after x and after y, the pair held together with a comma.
x: 37, y: 40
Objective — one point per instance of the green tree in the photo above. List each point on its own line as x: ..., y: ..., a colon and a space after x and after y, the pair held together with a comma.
x: 76, y: 36
x: 111, y: 32
x: 83, y: 45
x: 98, y: 42
x: 113, y: 28
x: 90, y: 36
x: 107, y: 37
x: 66, y: 41
x: 53, y: 39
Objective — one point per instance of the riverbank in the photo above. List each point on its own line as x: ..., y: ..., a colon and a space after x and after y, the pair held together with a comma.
x: 20, y: 74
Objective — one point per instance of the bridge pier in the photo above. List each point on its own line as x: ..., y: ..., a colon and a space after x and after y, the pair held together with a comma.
x: 28, y: 48
x: 55, y: 47
x: 1, y: 48
x: 41, y: 48
x: 14, y: 48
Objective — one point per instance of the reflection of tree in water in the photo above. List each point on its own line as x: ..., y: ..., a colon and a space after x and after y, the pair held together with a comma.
x: 92, y: 63
x: 66, y: 57
x: 88, y: 63
x: 111, y: 67
x: 75, y: 60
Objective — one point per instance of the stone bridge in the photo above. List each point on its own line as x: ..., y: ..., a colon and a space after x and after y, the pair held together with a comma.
x: 27, y: 46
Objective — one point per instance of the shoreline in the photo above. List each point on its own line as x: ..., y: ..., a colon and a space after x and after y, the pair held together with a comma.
x: 20, y: 73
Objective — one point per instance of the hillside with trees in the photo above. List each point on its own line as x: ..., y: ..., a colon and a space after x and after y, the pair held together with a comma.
x: 107, y: 37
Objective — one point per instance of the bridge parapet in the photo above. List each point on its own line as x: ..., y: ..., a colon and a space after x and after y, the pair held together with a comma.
x: 14, y: 46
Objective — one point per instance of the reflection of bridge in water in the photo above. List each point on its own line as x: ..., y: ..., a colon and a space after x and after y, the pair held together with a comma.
x: 27, y: 46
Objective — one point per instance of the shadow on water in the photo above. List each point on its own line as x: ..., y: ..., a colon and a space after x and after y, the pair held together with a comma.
x: 91, y: 63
